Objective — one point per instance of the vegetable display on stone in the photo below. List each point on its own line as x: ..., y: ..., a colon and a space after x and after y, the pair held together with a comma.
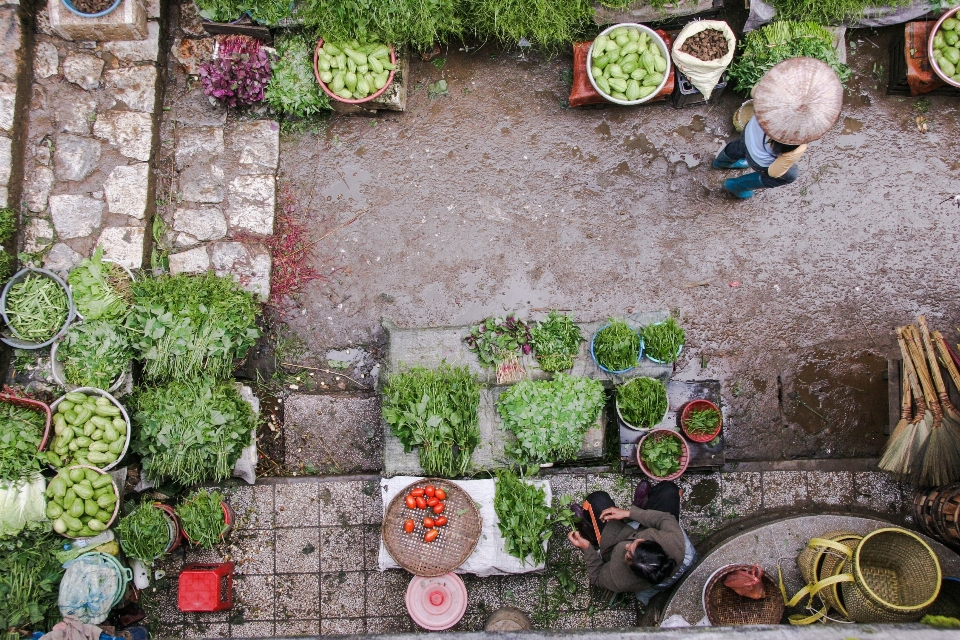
x: 550, y: 25
x: 101, y: 290
x: 661, y: 452
x: 550, y: 417
x: 642, y: 402
x: 828, y: 11
x: 523, y: 517
x: 29, y: 579
x: 94, y: 353
x: 416, y: 22
x: 81, y: 502
x: 352, y: 70
x: 556, y: 340
x: 37, y: 307
x: 185, y: 326
x: 191, y: 432
x: 293, y: 89
x: 89, y: 430
x: 144, y: 533
x: 662, y: 341
x: 238, y: 76
x: 627, y: 64
x: 435, y: 411
x: 21, y: 432
x: 498, y: 343
x: 946, y: 48
x: 702, y: 422
x: 202, y: 518
x: 617, y: 346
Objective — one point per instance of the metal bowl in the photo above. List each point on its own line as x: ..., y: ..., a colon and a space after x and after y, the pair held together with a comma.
x: 663, y: 49
x: 953, y: 13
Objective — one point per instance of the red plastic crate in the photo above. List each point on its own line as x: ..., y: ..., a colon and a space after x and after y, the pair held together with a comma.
x: 206, y: 587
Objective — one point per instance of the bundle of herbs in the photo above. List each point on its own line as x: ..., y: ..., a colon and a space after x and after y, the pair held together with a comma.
x: 293, y: 88
x: 550, y: 417
x: 101, y: 290
x: 642, y: 402
x: 94, y: 353
x: 662, y: 341
x: 191, y: 432
x: 29, y: 578
x: 661, y: 451
x: 524, y: 518
x: 498, y: 343
x: 37, y: 308
x: 435, y: 411
x: 702, y: 422
x: 8, y: 228
x: 550, y: 25
x: 21, y: 432
x: 185, y: 326
x: 556, y: 340
x: 616, y: 346
x: 144, y: 533
x: 238, y: 76
x: 202, y: 518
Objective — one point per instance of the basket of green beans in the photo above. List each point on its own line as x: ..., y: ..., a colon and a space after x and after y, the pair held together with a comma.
x: 37, y: 307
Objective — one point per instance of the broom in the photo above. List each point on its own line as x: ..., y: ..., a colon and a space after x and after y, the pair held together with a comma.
x: 914, y: 436
x: 951, y: 416
x: 896, y: 455
x: 946, y: 357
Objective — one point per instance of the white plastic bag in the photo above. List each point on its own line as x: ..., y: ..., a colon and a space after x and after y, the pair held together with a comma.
x: 703, y: 74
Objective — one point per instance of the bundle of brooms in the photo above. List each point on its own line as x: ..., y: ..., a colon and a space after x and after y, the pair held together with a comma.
x: 925, y: 448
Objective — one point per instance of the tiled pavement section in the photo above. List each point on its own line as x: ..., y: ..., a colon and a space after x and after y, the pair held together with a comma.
x: 306, y: 553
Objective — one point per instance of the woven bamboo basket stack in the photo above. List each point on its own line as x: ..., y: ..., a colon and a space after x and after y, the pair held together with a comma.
x: 937, y: 512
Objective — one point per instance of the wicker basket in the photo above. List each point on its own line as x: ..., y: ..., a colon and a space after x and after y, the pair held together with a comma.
x: 457, y: 539
x: 724, y: 606
x: 835, y: 564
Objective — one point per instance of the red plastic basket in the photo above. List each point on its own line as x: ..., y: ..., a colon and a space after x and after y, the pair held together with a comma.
x: 36, y: 405
x: 228, y: 519
x: 206, y: 587
x: 372, y: 96
x: 700, y: 405
x: 684, y: 455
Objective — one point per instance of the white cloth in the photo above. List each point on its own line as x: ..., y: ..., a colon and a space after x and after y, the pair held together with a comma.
x: 489, y: 558
x: 758, y: 146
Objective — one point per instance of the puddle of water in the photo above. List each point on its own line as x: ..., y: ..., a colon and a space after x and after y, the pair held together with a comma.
x: 851, y: 125
x: 603, y: 129
x: 346, y: 186
x: 688, y: 131
x: 704, y: 492
x: 640, y: 143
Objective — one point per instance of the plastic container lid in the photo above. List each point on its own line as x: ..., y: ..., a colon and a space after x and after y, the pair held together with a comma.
x: 437, y: 603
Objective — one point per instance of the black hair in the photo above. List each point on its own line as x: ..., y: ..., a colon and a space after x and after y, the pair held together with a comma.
x: 779, y: 148
x: 652, y: 563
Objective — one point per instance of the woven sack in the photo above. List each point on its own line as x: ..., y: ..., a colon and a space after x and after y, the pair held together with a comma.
x: 703, y: 74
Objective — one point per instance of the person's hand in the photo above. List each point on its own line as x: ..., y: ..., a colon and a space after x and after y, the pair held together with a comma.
x: 613, y: 513
x: 578, y: 540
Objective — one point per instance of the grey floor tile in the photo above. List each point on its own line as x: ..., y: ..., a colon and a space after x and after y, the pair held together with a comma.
x: 878, y: 491
x: 295, y: 504
x: 390, y: 624
x: 298, y: 596
x: 298, y: 550
x: 293, y: 627
x: 262, y: 629
x: 343, y: 626
x: 371, y: 547
x: 571, y: 620
x: 742, y: 494
x: 213, y: 630
x: 254, y: 551
x: 341, y: 549
x: 831, y: 488
x: 343, y: 503
x: 386, y: 592
x: 572, y: 484
x: 255, y: 594
x: 253, y: 505
x: 784, y: 489
x: 342, y: 594
x: 614, y: 618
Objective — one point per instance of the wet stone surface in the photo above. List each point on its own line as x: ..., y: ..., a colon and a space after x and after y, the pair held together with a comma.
x: 333, y: 434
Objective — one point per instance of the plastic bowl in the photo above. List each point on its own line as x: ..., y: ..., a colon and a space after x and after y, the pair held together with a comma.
x: 603, y: 368
x: 663, y: 49
x: 627, y: 424
x: 73, y: 9
x: 229, y: 517
x: 679, y: 351
x: 700, y: 405
x: 173, y: 524
x: 116, y: 403
x: 684, y: 455
x: 56, y: 368
x: 933, y: 61
x: 19, y: 343
x: 333, y: 96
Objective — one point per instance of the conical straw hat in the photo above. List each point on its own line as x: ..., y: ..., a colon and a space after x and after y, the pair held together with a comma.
x: 798, y: 100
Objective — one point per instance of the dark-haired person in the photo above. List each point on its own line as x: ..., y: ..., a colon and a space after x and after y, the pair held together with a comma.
x: 774, y: 164
x: 642, y: 550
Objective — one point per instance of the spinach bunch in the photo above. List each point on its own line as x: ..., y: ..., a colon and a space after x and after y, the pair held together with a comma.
x: 191, y: 432
x: 21, y: 432
x: 642, y: 402
x: 550, y: 417
x: 220, y: 10
x: 101, y: 290
x: 661, y: 453
x: 293, y: 88
x: 94, y: 353
x: 616, y: 346
x: 144, y: 533
x: 556, y: 340
x: 201, y: 516
x: 29, y: 577
x: 435, y: 410
x: 523, y: 517
x: 185, y: 326
x: 663, y: 340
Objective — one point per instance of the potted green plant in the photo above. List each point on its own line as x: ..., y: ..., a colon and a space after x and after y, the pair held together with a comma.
x: 642, y: 403
x: 663, y: 341
x: 663, y: 454
x: 149, y: 531
x: 616, y: 347
x: 205, y: 518
x: 701, y: 420
x: 556, y: 341
x: 498, y: 343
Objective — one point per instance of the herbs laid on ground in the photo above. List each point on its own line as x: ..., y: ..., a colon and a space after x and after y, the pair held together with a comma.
x: 89, y: 430
x: 764, y: 48
x: 191, y: 432
x: 702, y: 422
x: 523, y: 517
x: 94, y: 353
x: 81, y: 502
x: 29, y: 579
x: 556, y: 340
x: 185, y: 326
x: 627, y: 64
x: 21, y: 432
x: 8, y: 227
x: 144, y: 533
x: 202, y: 518
x: 828, y: 11
x: 709, y: 44
x: 661, y: 453
x: 435, y: 411
x: 550, y: 417
x: 662, y: 341
x: 617, y: 346
x: 37, y: 307
x: 498, y: 343
x: 240, y: 73
x: 267, y: 12
x: 642, y: 402
x: 293, y: 88
x: 550, y: 25
x: 352, y: 70
x: 101, y: 290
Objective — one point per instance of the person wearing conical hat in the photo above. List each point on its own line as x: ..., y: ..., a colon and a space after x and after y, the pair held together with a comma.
x: 796, y: 102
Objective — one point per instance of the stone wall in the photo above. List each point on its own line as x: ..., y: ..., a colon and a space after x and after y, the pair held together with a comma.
x: 14, y: 89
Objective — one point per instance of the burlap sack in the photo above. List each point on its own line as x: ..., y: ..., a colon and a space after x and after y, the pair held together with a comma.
x: 702, y: 74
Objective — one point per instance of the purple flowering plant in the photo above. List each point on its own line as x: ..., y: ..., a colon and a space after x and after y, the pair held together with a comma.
x: 239, y: 74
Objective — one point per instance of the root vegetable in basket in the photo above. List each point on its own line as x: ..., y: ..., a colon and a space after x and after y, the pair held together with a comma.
x: 709, y: 44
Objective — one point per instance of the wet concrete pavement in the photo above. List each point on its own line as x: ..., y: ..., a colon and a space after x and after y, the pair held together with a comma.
x: 497, y: 197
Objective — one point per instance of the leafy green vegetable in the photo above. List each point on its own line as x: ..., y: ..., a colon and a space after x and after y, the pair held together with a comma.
x: 550, y: 417
x: 144, y: 533
x: 220, y: 10
x: 202, y: 519
x: 37, y: 307
x: 94, y: 353
x: 293, y: 88
x: 642, y: 402
x: 549, y: 24
x: 22, y: 507
x: 8, y: 223
x: 498, y: 342
x: 29, y: 577
x: 617, y: 346
x: 702, y: 422
x: 185, y: 326
x: 101, y: 290
x: 191, y: 432
x: 828, y: 11
x: 268, y: 12
x: 435, y: 410
x: 662, y: 341
x: 523, y: 517
x: 661, y: 452
x: 556, y: 340
x: 21, y: 432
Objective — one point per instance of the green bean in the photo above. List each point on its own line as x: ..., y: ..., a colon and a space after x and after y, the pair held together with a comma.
x: 36, y: 308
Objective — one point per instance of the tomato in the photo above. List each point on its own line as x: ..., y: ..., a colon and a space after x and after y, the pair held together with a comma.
x: 431, y: 535
x: 428, y: 523
x: 430, y: 491
x: 440, y: 494
x: 416, y: 493
x: 432, y: 502
x: 439, y: 522
x: 421, y: 503
x: 411, y: 502
x: 408, y: 526
x: 438, y: 509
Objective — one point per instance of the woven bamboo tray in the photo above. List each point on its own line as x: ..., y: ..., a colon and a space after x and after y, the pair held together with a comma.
x: 457, y: 539
x: 724, y: 606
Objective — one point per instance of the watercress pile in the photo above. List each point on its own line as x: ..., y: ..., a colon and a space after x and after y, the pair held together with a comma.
x: 525, y: 520
x: 101, y: 290
x: 642, y: 402
x: 201, y: 516
x: 661, y: 453
x: 550, y: 417
x: 435, y: 411
x: 498, y: 342
x: 144, y: 533
x: 94, y: 353
x: 556, y: 340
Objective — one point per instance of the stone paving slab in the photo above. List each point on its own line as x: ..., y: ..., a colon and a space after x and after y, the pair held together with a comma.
x: 333, y: 434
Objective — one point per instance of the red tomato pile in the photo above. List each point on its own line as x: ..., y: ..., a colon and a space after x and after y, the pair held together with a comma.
x: 428, y: 498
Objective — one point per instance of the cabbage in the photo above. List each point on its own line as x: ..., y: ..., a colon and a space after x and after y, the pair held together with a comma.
x: 22, y: 506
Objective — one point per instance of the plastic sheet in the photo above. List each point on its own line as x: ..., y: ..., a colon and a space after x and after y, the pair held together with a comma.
x: 88, y: 589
